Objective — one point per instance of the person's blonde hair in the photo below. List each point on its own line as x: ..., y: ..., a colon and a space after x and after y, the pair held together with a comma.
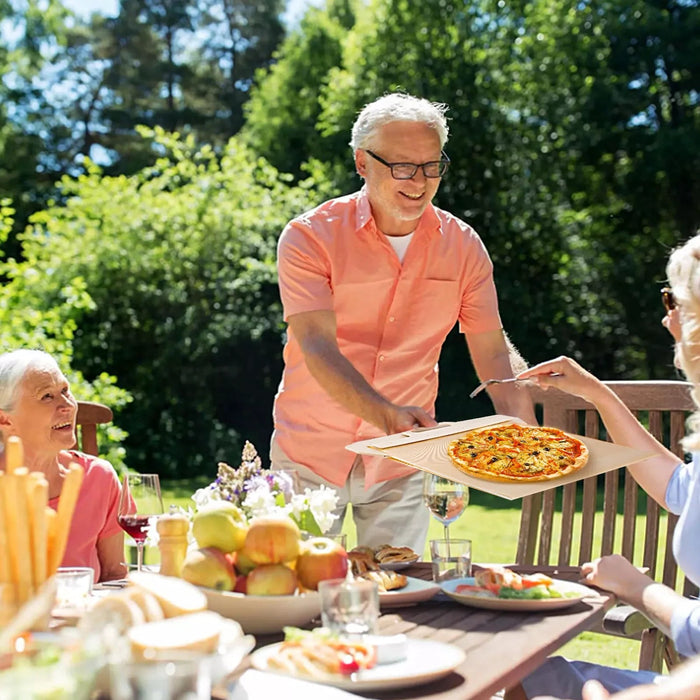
x: 683, y: 272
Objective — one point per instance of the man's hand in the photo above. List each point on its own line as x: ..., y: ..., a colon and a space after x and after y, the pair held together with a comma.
x: 399, y: 419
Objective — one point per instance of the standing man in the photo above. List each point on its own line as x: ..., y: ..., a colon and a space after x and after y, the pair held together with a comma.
x: 371, y: 285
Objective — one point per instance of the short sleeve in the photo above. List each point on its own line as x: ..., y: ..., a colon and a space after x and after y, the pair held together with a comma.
x: 303, y: 270
x: 685, y: 627
x: 479, y: 308
x: 678, y: 487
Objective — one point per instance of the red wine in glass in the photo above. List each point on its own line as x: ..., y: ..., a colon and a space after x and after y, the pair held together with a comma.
x: 135, y: 525
x: 140, y: 500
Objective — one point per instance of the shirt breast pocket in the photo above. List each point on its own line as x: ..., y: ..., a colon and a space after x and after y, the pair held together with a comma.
x: 434, y: 307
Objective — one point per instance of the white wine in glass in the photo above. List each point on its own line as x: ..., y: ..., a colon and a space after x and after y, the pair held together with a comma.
x: 140, y: 500
x: 445, y: 499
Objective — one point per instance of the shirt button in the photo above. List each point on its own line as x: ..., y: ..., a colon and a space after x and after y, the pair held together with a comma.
x: 392, y: 319
x: 381, y: 358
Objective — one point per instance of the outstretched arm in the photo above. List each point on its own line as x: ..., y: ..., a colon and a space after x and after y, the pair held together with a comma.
x: 652, y: 474
x: 494, y: 357
x: 315, y: 331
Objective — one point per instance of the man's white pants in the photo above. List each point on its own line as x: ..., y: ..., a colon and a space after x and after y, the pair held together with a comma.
x: 390, y: 512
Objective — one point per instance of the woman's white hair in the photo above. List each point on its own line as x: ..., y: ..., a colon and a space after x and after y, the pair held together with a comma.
x: 13, y: 366
x: 683, y: 272
x: 396, y: 107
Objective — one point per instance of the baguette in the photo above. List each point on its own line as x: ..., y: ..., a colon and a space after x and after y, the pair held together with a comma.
x: 64, y: 514
x: 14, y: 495
x: 37, y: 498
x: 5, y: 566
x: 14, y: 454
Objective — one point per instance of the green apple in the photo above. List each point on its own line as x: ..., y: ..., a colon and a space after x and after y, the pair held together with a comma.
x: 220, y: 524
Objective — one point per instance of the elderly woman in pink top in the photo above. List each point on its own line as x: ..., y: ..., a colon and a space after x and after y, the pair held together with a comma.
x: 37, y: 406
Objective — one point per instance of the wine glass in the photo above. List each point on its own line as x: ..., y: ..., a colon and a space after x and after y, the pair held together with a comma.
x: 140, y: 499
x: 446, y: 499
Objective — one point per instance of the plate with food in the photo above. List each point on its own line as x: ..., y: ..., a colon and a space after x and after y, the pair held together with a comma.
x: 357, y: 666
x: 415, y: 591
x: 499, y: 588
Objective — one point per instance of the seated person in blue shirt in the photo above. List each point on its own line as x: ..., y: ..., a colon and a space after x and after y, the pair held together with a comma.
x: 675, y: 486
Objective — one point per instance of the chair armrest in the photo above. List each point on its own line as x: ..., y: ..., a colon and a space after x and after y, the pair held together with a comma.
x: 626, y: 621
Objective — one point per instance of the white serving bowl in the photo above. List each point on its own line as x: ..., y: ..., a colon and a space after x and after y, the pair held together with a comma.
x: 264, y: 614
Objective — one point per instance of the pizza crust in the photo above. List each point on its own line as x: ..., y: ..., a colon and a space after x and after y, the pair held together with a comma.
x: 458, y: 446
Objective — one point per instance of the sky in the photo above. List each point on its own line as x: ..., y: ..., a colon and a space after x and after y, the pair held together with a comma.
x: 295, y: 8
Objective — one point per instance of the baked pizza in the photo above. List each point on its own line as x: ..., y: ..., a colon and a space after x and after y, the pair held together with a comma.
x: 521, y: 453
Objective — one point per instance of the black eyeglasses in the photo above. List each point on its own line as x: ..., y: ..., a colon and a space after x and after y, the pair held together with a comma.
x: 669, y: 301
x: 406, y: 171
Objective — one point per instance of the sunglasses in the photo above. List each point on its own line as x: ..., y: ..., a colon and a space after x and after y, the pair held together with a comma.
x: 668, y: 300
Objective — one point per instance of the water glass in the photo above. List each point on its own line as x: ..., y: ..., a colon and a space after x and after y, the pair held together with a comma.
x: 187, y: 678
x: 349, y: 607
x: 73, y: 586
x: 451, y: 559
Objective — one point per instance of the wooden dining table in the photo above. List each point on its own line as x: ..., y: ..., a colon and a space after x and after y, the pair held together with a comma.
x: 501, y: 647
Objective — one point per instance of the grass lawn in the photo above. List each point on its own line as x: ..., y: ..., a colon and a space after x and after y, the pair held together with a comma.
x: 492, y: 525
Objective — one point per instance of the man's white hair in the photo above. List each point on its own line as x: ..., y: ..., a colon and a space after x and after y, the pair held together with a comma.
x: 394, y: 107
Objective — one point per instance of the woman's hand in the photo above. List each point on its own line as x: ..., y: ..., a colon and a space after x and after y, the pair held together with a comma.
x: 571, y: 377
x: 616, y: 574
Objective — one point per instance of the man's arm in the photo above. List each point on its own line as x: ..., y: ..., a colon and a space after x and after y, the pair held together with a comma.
x: 495, y: 357
x: 315, y: 331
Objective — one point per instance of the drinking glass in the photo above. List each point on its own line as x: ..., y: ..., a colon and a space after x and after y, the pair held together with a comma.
x: 445, y: 499
x: 140, y: 500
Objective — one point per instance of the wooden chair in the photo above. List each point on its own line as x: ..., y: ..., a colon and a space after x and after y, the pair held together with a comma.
x: 663, y: 407
x: 90, y: 415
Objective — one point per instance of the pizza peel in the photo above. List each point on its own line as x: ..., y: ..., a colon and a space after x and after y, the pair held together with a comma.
x: 426, y: 449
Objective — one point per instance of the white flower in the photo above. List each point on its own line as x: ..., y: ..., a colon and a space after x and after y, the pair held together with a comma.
x: 260, y: 501
x: 322, y: 502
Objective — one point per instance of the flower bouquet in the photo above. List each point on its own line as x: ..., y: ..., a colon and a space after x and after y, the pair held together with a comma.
x: 264, y: 492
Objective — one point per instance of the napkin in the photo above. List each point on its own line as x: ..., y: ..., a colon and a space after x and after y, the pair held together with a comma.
x: 255, y: 685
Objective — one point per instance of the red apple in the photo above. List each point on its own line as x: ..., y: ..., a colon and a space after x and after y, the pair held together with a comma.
x: 241, y: 585
x: 272, y: 540
x: 271, y: 579
x: 319, y: 559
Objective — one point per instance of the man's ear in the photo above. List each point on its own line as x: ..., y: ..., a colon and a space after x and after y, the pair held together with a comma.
x: 361, y: 162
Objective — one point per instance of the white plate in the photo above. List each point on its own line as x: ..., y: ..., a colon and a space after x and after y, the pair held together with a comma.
x: 477, y: 601
x: 264, y: 614
x: 397, y: 565
x: 413, y: 592
x: 425, y: 661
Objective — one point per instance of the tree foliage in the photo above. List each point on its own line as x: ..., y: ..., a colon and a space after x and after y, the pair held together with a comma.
x: 166, y: 280
x: 558, y: 157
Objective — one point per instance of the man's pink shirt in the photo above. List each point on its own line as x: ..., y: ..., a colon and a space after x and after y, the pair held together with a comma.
x: 392, y: 320
x: 95, y: 513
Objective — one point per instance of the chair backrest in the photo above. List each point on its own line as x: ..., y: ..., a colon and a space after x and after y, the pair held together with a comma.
x: 663, y: 407
x: 90, y: 415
